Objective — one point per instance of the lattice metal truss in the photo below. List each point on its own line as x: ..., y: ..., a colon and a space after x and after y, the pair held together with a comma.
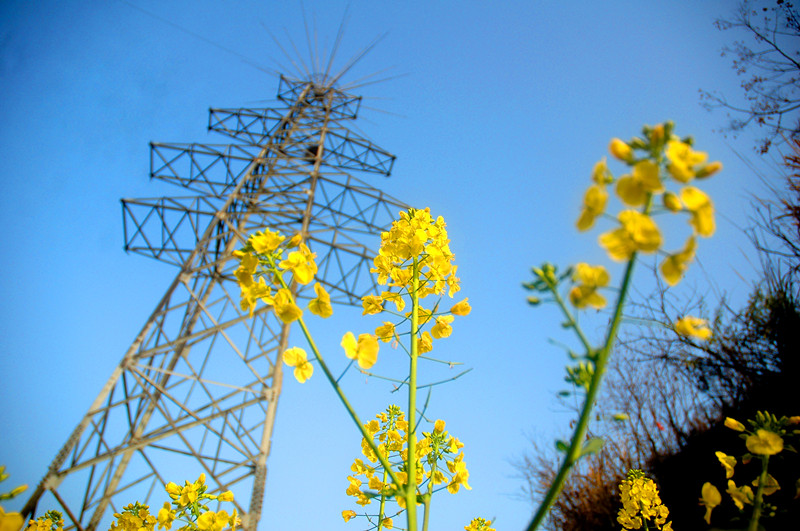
x: 199, y: 386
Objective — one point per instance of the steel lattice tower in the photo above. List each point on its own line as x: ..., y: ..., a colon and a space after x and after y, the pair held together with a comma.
x: 198, y: 388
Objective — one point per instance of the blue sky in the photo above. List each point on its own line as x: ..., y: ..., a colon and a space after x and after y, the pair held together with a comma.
x: 497, y: 113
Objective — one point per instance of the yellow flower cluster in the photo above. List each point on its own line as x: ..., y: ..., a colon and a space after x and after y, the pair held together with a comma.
x: 641, y: 503
x: 653, y: 161
x: 764, y: 440
x: 261, y: 270
x: 262, y: 267
x: 479, y: 524
x: 51, y: 521
x: 589, y: 278
x: 134, y: 517
x: 438, y: 455
x: 188, y: 505
x: 416, y: 247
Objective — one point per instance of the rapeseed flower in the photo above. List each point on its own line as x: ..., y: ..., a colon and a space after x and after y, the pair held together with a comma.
x: 589, y: 278
x: 301, y: 263
x: 424, y: 343
x: 740, y: 495
x: 285, y: 308
x: 297, y: 358
x: 635, y: 188
x: 764, y: 442
x: 458, y: 468
x: 702, y: 210
x: 442, y: 327
x: 396, y: 298
x: 213, y: 521
x: 165, y: 516
x: 689, y: 326
x: 372, y: 304
x: 252, y: 292
x: 675, y: 265
x: 683, y: 160
x: 461, y: 308
x: 637, y: 233
x: 265, y: 242
x: 710, y: 498
x: 321, y: 305
x: 771, y: 485
x: 594, y: 204
x: 386, y: 332
x: 365, y: 350
x: 727, y: 461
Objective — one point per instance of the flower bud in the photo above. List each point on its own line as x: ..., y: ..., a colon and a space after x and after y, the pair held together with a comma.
x: 17, y: 491
x: 657, y: 136
x: 733, y: 424
x: 620, y: 150
x: 672, y: 202
x: 709, y: 169
x: 637, y: 143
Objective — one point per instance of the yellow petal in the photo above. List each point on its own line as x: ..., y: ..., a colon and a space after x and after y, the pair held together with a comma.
x: 771, y: 486
x: 631, y: 191
x: 461, y: 308
x: 349, y: 345
x: 367, y: 350
x: 675, y: 265
x: 764, y: 442
x: 294, y: 356
x: 303, y: 371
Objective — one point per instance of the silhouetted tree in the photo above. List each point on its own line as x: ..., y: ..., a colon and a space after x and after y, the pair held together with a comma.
x: 768, y: 59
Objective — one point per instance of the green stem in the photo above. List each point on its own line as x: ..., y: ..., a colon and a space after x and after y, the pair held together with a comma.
x: 411, y: 460
x: 339, y: 392
x: 382, y: 508
x: 427, y: 499
x: 758, y: 501
x: 346, y: 403
x: 427, y: 505
x: 601, y: 360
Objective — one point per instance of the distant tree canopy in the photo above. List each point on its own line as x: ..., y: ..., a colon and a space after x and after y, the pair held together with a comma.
x: 768, y: 59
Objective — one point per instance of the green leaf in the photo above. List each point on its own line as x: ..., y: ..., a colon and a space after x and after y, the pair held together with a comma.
x: 592, y: 446
x: 561, y: 446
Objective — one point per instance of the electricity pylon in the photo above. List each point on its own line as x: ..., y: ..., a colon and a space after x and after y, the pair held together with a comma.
x: 199, y: 387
